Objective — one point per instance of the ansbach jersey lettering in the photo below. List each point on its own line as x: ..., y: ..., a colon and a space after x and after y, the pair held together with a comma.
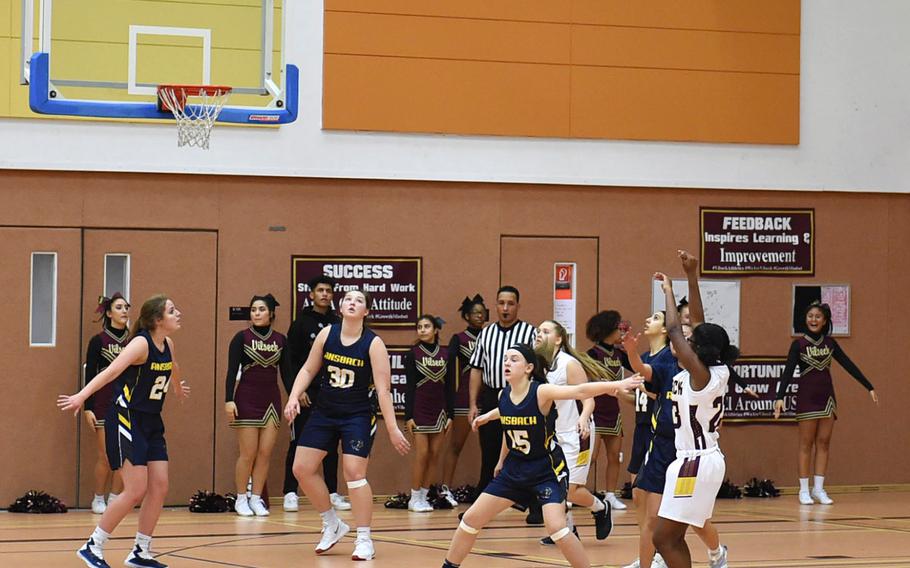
x: 529, y: 434
x: 566, y: 410
x: 346, y: 381
x: 697, y: 414
x: 143, y: 387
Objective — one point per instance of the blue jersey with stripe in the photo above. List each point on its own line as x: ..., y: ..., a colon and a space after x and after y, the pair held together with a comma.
x: 143, y: 387
x: 529, y: 434
x: 346, y: 379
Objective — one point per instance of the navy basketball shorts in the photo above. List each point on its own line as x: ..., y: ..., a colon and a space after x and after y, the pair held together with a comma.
x: 653, y: 474
x: 641, y: 439
x: 322, y: 432
x: 135, y: 437
x: 532, y: 481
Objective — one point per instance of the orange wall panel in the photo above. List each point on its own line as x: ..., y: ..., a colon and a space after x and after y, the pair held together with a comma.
x: 684, y: 49
x: 650, y: 104
x: 446, y: 38
x: 432, y: 95
x: 768, y: 16
x: 706, y: 71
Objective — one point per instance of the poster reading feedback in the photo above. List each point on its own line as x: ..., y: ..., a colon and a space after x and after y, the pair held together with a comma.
x: 757, y: 241
x: 393, y: 284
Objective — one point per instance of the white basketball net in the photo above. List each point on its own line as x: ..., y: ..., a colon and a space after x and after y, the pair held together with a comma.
x: 194, y: 120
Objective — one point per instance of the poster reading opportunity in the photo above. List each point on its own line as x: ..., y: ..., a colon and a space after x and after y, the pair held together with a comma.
x: 762, y: 375
x: 394, y: 284
x: 757, y: 241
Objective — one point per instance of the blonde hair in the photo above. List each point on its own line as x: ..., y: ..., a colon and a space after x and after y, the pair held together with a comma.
x: 594, y: 370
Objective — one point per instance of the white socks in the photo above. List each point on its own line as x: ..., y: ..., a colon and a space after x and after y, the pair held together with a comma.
x: 598, y: 505
x: 715, y: 554
x: 363, y: 533
x: 329, y: 518
x: 819, y: 482
x: 99, y: 537
x: 804, y: 484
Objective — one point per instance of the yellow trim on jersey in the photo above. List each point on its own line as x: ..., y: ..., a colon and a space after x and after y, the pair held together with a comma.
x: 124, y: 421
x: 127, y: 393
x: 560, y: 467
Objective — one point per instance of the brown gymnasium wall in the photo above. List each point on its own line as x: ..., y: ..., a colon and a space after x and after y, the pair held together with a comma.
x: 706, y: 71
x: 457, y: 228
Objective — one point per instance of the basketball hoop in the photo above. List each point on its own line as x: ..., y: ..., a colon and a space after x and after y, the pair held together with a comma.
x: 196, y: 119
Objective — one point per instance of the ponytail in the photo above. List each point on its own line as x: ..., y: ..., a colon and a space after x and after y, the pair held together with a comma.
x: 152, y: 310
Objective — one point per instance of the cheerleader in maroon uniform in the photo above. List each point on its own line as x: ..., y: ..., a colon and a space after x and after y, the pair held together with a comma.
x: 461, y: 347
x: 102, y: 349
x: 816, y: 406
x: 253, y: 408
x: 605, y: 330
x: 428, y: 405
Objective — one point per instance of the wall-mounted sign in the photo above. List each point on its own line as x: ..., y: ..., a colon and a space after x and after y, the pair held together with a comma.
x: 399, y: 379
x: 762, y: 374
x: 564, y: 296
x: 394, y: 284
x: 757, y: 241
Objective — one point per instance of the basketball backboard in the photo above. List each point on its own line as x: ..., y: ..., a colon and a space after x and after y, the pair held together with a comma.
x: 103, y: 58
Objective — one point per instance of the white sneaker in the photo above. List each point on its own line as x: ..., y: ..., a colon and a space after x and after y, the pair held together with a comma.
x: 98, y: 506
x: 291, y: 502
x: 616, y: 502
x: 446, y: 494
x: 721, y: 561
x: 363, y: 549
x: 805, y: 498
x: 339, y: 503
x: 258, y: 506
x: 331, y: 536
x: 242, y: 506
x: 658, y: 561
x: 635, y: 564
x: 821, y: 496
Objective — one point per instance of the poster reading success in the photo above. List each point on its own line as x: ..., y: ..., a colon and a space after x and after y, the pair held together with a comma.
x: 762, y: 375
x: 757, y: 241
x: 393, y: 284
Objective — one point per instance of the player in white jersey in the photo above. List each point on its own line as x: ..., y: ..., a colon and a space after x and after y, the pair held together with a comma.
x: 574, y: 421
x: 694, y: 478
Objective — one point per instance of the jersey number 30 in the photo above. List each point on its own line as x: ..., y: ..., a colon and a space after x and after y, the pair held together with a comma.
x: 159, y: 388
x: 340, y: 378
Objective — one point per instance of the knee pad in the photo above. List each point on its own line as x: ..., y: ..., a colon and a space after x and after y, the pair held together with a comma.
x: 468, y: 529
x: 560, y: 534
x: 357, y: 483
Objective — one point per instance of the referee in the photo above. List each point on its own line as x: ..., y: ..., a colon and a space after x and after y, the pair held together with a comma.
x: 487, y: 380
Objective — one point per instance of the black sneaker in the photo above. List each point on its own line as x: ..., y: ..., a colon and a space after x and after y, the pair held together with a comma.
x: 86, y: 555
x: 603, y: 521
x: 547, y: 541
x: 535, y: 516
x: 136, y: 559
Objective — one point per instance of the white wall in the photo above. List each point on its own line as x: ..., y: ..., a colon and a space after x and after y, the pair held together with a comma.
x: 855, y: 129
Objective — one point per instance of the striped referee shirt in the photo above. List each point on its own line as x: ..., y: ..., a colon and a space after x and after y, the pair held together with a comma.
x: 491, y: 346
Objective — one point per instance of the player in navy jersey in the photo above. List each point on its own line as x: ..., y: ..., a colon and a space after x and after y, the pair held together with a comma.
x: 429, y: 401
x: 605, y: 330
x: 350, y: 361
x: 816, y: 407
x: 102, y: 350
x: 696, y: 401
x: 461, y: 346
x: 134, y: 431
x: 531, y: 466
x: 253, y: 406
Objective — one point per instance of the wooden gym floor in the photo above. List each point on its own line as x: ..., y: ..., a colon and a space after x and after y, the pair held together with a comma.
x: 859, y: 530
